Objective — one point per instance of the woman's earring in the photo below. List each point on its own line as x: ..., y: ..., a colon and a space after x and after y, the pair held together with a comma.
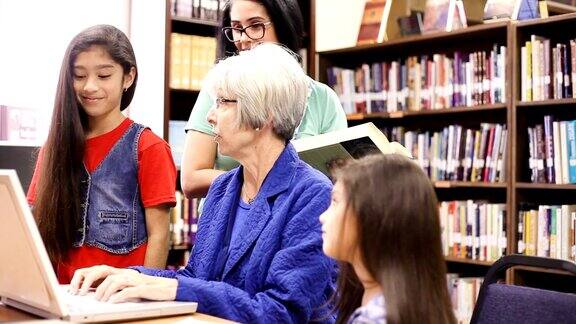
x: 125, y: 89
x: 257, y: 129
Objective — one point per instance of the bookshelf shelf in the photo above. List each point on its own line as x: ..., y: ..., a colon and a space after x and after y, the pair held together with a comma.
x: 545, y: 186
x: 542, y: 23
x: 467, y: 184
x: 464, y: 33
x: 468, y: 261
x: 427, y: 113
x: 553, y: 102
x: 193, y: 21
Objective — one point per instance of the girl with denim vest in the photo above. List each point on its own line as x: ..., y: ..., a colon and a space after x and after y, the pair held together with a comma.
x: 383, y: 227
x: 103, y: 184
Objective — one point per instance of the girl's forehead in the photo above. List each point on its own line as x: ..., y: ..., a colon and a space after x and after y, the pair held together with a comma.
x: 96, y: 55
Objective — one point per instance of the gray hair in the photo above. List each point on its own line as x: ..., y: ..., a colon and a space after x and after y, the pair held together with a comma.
x: 269, y: 84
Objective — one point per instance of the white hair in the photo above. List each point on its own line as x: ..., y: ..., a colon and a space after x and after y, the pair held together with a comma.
x: 269, y: 84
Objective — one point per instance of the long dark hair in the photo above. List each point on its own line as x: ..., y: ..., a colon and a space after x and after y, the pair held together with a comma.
x: 286, y: 18
x: 399, y: 240
x: 57, y: 206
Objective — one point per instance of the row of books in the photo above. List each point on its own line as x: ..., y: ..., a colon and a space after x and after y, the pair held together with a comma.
x: 548, y: 231
x: 200, y: 9
x: 191, y: 57
x: 183, y: 221
x: 463, y: 294
x: 457, y: 153
x: 547, y: 71
x: 552, y: 151
x: 426, y: 82
x: 473, y: 230
x: 19, y: 124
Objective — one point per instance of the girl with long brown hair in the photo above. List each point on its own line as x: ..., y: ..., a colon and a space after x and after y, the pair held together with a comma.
x: 103, y: 185
x: 383, y: 226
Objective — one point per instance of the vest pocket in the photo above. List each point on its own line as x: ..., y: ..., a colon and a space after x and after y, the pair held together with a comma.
x: 114, y: 230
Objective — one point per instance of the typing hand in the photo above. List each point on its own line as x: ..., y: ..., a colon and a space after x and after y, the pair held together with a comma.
x: 86, y: 278
x: 122, y: 285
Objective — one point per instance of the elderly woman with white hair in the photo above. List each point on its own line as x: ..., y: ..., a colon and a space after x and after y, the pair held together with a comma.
x: 258, y: 253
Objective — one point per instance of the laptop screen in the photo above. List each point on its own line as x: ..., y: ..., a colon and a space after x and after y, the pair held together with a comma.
x: 26, y: 276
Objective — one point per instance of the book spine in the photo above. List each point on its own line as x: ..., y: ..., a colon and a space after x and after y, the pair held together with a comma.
x: 549, y: 149
x: 571, y: 133
x: 557, y: 153
x: 567, y: 90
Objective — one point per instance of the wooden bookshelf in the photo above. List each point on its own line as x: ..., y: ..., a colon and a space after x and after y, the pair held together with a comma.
x: 526, y: 114
x: 515, y: 114
x: 476, y: 38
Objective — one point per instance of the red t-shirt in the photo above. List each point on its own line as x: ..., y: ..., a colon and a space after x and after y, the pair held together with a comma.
x: 157, y: 182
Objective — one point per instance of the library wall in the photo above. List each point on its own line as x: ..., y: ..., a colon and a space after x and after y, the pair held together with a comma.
x: 148, y: 36
x: 33, y: 47
x: 31, y: 66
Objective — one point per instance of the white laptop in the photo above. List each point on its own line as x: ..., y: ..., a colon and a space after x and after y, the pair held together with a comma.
x: 28, y: 282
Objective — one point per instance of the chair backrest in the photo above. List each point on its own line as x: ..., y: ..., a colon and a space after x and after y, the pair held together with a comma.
x: 501, y: 303
x: 515, y: 304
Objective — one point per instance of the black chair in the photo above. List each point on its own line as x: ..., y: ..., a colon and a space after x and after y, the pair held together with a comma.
x: 501, y: 303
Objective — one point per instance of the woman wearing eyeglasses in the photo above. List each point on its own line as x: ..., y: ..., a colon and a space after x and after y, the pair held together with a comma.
x: 244, y: 24
x: 258, y: 253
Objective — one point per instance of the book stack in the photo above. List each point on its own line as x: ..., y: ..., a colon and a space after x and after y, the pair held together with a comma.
x: 548, y: 70
x: 548, y: 231
x: 463, y: 293
x: 423, y: 82
x: 199, y: 9
x: 183, y: 221
x: 552, y: 151
x: 474, y: 230
x: 457, y: 153
x: 191, y: 57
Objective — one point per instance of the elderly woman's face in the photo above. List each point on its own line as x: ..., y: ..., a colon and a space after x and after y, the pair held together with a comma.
x: 244, y: 13
x: 230, y: 137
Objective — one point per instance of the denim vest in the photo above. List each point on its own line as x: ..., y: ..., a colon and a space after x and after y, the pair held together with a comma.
x: 113, y: 213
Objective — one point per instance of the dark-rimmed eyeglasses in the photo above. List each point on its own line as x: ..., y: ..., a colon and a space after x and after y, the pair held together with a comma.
x: 254, y: 32
x: 224, y: 101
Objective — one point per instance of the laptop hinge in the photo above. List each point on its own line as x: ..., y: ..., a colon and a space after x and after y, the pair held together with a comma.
x: 28, y: 308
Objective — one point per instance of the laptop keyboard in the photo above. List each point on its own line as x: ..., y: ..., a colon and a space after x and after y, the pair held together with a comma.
x: 88, y: 303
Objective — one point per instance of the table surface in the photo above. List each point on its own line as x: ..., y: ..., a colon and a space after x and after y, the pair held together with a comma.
x: 12, y: 314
